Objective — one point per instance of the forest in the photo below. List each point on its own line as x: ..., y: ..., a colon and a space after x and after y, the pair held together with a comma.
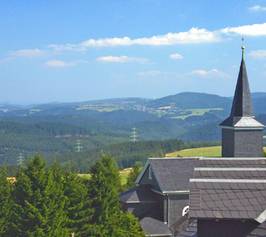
x: 50, y: 201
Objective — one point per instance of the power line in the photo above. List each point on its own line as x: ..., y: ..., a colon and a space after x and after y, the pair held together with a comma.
x: 20, y: 159
x: 134, y: 137
x: 78, y: 146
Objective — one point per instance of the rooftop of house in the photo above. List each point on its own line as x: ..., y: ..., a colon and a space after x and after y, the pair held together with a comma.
x: 171, y: 174
x: 138, y: 194
x: 229, y: 189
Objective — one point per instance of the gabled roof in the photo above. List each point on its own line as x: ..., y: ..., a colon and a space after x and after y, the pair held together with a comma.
x: 138, y: 194
x: 171, y: 174
x: 229, y: 188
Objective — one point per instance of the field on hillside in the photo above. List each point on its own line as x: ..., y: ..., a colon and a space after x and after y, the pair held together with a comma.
x: 123, y: 175
x: 212, y: 151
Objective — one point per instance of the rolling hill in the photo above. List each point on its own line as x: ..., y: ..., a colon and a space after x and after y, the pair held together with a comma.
x: 55, y: 129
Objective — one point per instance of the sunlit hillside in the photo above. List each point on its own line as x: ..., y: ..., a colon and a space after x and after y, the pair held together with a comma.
x: 212, y: 151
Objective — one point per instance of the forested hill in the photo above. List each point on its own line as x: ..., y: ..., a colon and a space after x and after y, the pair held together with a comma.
x: 65, y: 128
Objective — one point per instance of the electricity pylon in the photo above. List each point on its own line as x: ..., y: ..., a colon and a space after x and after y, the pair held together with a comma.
x: 20, y: 160
x: 134, y: 135
x: 78, y: 146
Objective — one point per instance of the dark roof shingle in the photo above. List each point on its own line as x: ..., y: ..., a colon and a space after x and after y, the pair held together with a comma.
x: 172, y: 174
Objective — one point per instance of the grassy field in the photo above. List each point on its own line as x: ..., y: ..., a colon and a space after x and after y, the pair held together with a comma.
x: 123, y: 175
x: 195, y: 112
x: 212, y: 151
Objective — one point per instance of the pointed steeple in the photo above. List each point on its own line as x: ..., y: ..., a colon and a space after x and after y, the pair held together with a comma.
x: 242, y: 134
x: 242, y: 103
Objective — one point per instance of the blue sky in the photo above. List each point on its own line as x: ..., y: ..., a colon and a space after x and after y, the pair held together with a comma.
x: 82, y: 50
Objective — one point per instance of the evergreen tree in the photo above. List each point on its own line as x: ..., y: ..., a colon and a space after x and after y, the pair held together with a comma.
x: 78, y: 205
x: 108, y: 219
x: 5, y: 203
x: 39, y: 202
x: 103, y: 189
x: 124, y: 225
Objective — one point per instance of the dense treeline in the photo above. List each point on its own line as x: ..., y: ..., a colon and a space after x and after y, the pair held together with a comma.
x: 49, y: 201
x: 126, y: 154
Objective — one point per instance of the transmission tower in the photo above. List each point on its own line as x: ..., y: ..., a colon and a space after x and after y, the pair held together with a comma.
x: 134, y: 135
x: 20, y: 160
x: 78, y: 146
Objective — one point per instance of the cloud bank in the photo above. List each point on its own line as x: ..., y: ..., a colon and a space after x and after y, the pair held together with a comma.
x: 193, y: 36
x: 121, y: 59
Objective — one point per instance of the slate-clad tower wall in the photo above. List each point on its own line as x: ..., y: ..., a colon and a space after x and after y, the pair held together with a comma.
x: 242, y: 135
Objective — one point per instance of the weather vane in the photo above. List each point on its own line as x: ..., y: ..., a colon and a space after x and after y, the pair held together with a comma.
x: 243, y: 47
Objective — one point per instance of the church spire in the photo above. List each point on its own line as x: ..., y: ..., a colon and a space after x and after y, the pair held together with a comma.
x: 242, y: 103
x: 242, y: 134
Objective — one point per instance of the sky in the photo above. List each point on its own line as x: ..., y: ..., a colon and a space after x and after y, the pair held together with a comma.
x: 78, y: 50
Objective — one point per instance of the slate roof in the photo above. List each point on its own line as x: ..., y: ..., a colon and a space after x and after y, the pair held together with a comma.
x: 154, y: 227
x: 229, y: 188
x: 232, y: 162
x: 233, y: 173
x: 227, y: 200
x: 242, y: 122
x: 172, y: 174
x: 241, y: 112
x: 138, y: 194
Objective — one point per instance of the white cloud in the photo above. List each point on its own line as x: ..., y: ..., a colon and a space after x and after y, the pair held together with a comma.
x: 246, y: 30
x: 121, y: 59
x: 59, y: 64
x: 27, y: 53
x: 256, y: 54
x: 176, y: 56
x: 212, y: 73
x: 193, y: 36
x: 257, y: 8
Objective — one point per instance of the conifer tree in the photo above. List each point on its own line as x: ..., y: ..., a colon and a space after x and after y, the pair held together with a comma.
x: 78, y: 206
x: 103, y: 189
x: 5, y: 203
x: 108, y: 218
x: 39, y: 202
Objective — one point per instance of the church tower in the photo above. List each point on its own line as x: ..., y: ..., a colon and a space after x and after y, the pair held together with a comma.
x: 242, y: 134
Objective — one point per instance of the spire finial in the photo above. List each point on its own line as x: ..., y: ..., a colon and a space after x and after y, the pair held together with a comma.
x: 243, y: 48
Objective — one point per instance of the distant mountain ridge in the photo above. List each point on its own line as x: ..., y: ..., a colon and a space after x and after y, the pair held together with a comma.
x: 172, y: 103
x: 54, y: 129
x: 189, y: 100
